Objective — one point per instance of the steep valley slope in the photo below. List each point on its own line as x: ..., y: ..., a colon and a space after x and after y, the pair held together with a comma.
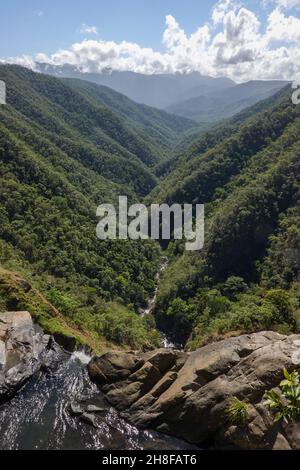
x: 62, y: 153
x: 246, y: 277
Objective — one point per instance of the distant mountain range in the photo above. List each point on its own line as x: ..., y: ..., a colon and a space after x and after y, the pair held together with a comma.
x: 225, y: 103
x: 194, y: 96
x: 160, y: 90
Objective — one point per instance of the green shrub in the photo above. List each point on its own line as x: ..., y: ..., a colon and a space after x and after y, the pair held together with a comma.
x: 123, y: 327
x: 233, y: 286
x: 286, y: 403
x: 282, y: 301
x: 253, y: 311
x: 65, y: 303
x: 237, y: 412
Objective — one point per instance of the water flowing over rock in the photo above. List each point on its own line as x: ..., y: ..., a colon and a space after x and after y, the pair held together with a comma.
x: 187, y: 395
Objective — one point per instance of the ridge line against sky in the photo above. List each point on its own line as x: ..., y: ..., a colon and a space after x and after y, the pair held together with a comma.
x: 242, y: 40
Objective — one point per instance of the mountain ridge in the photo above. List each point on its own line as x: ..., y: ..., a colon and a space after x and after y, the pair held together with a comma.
x: 158, y: 90
x: 216, y: 106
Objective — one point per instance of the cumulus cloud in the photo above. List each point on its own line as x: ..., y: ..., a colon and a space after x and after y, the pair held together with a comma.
x: 235, y: 42
x: 288, y: 4
x: 86, y: 29
x: 240, y: 41
x: 221, y: 8
x: 283, y: 28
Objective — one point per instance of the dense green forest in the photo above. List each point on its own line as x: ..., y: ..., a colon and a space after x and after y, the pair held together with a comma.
x: 68, y: 145
x: 62, y: 153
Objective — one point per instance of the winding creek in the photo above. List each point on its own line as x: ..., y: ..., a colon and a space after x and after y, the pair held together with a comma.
x: 165, y: 342
x: 152, y: 301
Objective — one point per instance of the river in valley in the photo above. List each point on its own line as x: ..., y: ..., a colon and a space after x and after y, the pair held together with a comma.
x: 38, y: 417
x: 165, y: 341
x: 152, y: 300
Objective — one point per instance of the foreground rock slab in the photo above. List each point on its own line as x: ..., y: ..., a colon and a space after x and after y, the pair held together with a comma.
x: 187, y: 395
x: 24, y: 349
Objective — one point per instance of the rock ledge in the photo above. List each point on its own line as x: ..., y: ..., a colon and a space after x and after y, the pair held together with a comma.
x: 24, y: 349
x: 187, y: 395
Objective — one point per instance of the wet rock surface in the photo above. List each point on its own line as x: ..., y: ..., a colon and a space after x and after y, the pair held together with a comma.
x: 187, y: 395
x: 24, y: 350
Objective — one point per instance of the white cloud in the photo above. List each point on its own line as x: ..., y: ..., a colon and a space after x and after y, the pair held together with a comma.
x: 39, y: 13
x: 283, y: 28
x: 288, y: 4
x: 86, y: 29
x: 235, y: 43
x: 24, y: 60
x: 240, y: 40
x: 221, y: 8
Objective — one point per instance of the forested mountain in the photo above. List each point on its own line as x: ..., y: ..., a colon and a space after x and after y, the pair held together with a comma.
x: 207, y: 162
x: 225, y: 103
x: 246, y: 278
x: 94, y: 134
x: 158, y: 90
x: 194, y: 96
x: 158, y: 123
x: 161, y: 129
x: 62, y: 154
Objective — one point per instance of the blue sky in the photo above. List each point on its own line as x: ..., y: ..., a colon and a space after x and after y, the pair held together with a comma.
x: 241, y: 39
x: 31, y: 26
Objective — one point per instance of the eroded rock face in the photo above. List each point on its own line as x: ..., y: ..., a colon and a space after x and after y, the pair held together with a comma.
x: 187, y: 395
x: 23, y: 350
